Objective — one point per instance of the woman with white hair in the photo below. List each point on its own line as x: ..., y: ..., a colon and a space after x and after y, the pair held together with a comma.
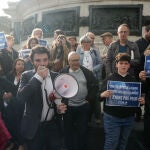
x: 89, y: 57
x: 37, y: 33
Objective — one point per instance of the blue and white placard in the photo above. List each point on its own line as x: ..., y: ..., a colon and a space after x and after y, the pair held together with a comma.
x: 125, y: 94
x: 3, y: 42
x: 42, y: 42
x: 147, y: 66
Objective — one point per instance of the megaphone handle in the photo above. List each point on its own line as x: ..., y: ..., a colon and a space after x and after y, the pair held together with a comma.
x: 65, y: 101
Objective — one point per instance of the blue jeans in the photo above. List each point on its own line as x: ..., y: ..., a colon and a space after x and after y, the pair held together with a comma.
x: 117, y: 131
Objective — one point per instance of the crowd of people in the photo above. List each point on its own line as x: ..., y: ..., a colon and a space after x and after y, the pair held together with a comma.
x: 33, y: 116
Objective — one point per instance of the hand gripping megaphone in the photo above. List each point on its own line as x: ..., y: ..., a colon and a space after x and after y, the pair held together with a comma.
x: 66, y: 85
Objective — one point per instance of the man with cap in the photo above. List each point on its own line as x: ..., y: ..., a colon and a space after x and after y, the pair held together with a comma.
x: 107, y: 39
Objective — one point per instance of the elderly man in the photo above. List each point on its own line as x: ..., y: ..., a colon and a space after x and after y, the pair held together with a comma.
x: 77, y: 115
x: 39, y: 126
x: 123, y: 45
x: 107, y: 39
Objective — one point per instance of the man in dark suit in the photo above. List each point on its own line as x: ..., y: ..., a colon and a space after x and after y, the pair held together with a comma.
x: 39, y: 123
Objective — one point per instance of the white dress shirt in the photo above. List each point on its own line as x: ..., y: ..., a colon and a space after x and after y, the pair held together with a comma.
x: 48, y: 86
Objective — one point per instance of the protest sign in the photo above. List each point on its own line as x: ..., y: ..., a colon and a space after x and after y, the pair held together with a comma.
x: 42, y: 42
x: 3, y: 42
x: 24, y: 53
x: 147, y: 66
x: 125, y: 94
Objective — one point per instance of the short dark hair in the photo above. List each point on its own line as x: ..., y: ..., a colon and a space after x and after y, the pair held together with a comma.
x: 39, y: 50
x: 147, y: 28
x: 124, y: 25
x: 123, y: 57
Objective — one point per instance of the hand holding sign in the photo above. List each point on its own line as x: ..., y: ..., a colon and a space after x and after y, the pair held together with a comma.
x: 3, y: 42
x: 106, y: 94
x: 142, y: 75
x: 146, y: 52
x: 147, y: 66
x: 141, y: 100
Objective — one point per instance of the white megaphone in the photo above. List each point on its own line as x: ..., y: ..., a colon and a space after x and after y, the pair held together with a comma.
x: 66, y: 85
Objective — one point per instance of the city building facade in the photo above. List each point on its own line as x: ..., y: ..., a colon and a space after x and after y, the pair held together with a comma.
x: 76, y: 17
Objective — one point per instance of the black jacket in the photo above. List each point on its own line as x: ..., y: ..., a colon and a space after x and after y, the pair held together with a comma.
x: 118, y: 111
x: 146, y: 90
x: 7, y: 60
x: 30, y: 93
x: 5, y: 86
